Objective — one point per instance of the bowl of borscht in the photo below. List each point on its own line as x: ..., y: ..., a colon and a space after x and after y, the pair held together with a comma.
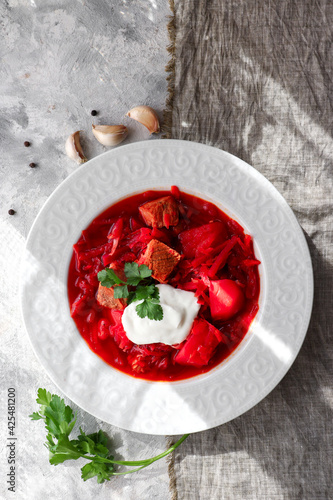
x: 166, y: 287
x: 190, y: 245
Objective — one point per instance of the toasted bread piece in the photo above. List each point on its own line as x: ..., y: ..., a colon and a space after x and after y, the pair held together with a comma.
x: 161, y: 259
x: 162, y: 212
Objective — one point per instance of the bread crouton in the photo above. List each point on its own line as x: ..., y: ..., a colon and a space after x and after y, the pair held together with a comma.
x: 161, y: 259
x: 162, y: 212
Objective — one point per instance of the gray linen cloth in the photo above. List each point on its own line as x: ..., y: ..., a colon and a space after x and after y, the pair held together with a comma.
x: 255, y: 78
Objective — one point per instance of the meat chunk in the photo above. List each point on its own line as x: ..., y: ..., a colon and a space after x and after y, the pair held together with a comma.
x: 162, y: 212
x: 105, y: 297
x: 161, y: 259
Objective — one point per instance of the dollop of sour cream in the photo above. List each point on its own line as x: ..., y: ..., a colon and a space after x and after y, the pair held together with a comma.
x: 179, y: 310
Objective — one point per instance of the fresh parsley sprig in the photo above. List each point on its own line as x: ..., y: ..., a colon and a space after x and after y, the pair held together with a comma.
x: 59, y: 421
x: 142, y: 288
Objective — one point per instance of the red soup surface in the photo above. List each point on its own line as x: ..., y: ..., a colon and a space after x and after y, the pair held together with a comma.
x: 215, y: 260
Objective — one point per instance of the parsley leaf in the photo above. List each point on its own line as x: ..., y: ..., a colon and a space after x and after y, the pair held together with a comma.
x: 36, y: 416
x: 142, y: 309
x: 108, y: 278
x: 95, y: 443
x: 95, y: 468
x: 60, y: 418
x: 135, y: 273
x: 140, y: 278
x: 149, y: 308
x: 59, y: 421
x: 144, y: 271
x: 44, y: 397
x: 64, y: 450
x: 120, y: 292
x: 156, y: 295
x: 144, y: 292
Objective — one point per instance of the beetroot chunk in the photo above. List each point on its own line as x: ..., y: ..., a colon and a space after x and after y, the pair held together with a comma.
x: 195, y: 240
x: 226, y: 299
x: 200, y: 344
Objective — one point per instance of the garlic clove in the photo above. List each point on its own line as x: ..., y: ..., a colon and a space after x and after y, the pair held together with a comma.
x: 110, y: 135
x: 147, y: 116
x: 74, y: 149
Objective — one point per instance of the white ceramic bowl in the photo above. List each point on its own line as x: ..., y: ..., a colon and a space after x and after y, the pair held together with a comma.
x: 262, y: 358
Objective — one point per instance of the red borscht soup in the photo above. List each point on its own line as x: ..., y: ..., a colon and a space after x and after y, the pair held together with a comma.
x: 185, y: 243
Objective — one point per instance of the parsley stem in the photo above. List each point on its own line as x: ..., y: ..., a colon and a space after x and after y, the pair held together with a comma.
x: 141, y: 463
x: 129, y: 471
x: 149, y: 461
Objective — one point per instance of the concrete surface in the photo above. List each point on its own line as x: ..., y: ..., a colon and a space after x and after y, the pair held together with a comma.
x: 60, y: 60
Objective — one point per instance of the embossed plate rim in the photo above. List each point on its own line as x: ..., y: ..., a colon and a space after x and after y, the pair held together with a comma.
x: 261, y: 360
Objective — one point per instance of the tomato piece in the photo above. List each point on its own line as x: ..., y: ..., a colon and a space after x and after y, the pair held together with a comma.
x: 226, y: 299
x: 200, y: 344
x: 195, y: 240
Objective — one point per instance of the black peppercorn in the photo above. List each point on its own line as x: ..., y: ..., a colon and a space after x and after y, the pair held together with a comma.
x: 94, y: 112
x: 11, y: 211
x: 27, y: 144
x: 32, y: 165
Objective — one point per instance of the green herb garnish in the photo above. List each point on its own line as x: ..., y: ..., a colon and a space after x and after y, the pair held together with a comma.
x: 59, y: 421
x: 139, y: 278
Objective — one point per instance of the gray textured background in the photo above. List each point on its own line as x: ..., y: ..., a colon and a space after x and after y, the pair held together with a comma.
x: 60, y: 60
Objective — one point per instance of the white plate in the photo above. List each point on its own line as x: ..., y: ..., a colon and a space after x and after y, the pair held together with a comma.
x: 267, y: 351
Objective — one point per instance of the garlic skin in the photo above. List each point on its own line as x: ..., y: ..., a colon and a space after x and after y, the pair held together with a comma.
x: 110, y: 135
x: 147, y: 116
x: 74, y: 149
